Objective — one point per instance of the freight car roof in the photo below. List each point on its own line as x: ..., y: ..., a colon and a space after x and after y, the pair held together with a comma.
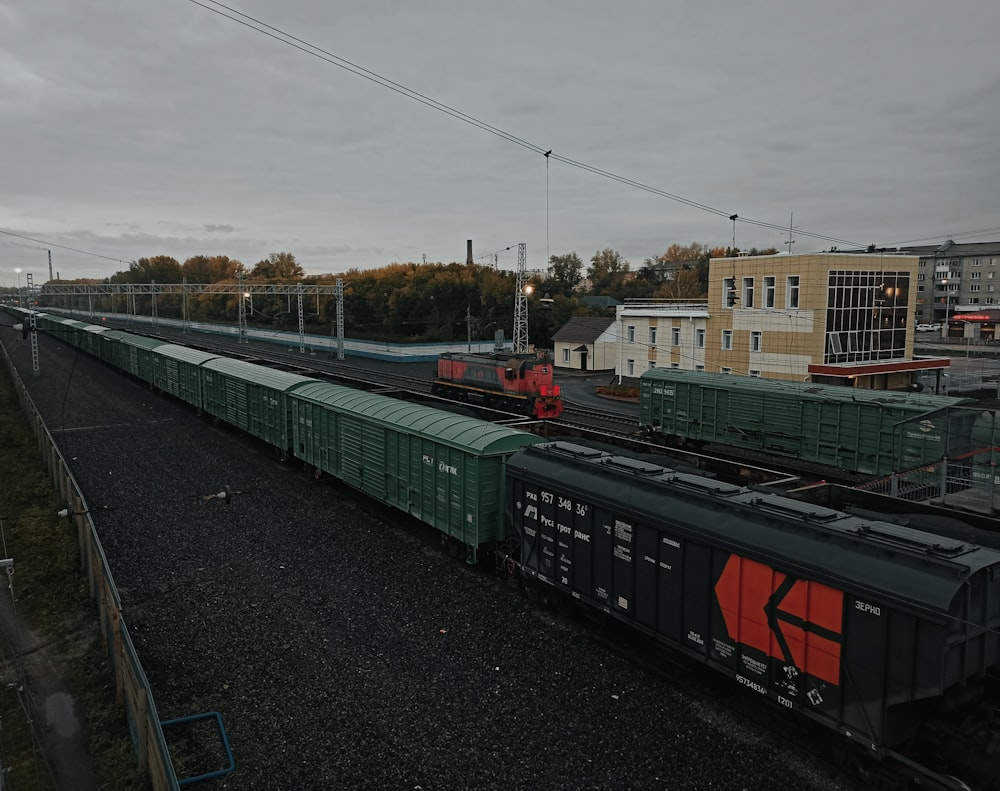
x: 258, y: 374
x: 469, y: 434
x: 917, y: 568
x: 185, y: 354
x: 922, y: 402
x: 141, y: 341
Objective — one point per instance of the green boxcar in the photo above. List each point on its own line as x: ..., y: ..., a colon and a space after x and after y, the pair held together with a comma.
x: 136, y: 355
x: 862, y: 431
x: 444, y: 469
x: 91, y: 338
x: 71, y: 332
x: 177, y: 370
x: 112, y: 350
x: 250, y: 397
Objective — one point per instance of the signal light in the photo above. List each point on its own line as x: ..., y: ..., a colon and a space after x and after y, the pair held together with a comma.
x: 731, y: 298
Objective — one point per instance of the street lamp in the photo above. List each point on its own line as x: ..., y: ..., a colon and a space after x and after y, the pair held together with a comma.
x: 947, y: 306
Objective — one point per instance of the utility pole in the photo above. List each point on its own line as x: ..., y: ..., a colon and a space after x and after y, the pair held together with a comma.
x: 521, y: 302
x: 468, y: 324
x: 791, y: 227
x: 243, y: 312
x: 33, y: 325
x: 340, y: 318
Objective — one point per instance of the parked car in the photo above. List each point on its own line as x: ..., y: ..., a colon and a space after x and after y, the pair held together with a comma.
x: 924, y: 327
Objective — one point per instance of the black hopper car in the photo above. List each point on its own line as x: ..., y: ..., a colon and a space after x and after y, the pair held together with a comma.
x: 867, y: 627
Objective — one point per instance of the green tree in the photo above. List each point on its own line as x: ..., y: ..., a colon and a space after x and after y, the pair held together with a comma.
x: 158, y: 269
x: 565, y: 274
x: 607, y: 270
x: 211, y: 269
x: 278, y: 267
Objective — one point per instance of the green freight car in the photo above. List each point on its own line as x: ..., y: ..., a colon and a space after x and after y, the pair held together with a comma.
x: 137, y: 353
x: 251, y: 397
x: 177, y: 371
x: 870, y: 432
x: 444, y: 469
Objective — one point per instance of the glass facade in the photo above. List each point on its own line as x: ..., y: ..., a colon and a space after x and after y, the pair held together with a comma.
x: 866, y: 316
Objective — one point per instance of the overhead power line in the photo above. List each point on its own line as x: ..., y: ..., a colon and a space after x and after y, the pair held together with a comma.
x: 64, y: 247
x: 304, y: 46
x: 979, y: 232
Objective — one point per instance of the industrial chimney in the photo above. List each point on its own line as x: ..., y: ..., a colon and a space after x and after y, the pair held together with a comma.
x: 468, y: 251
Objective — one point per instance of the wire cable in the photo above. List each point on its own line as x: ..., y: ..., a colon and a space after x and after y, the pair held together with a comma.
x: 290, y: 40
x: 64, y: 247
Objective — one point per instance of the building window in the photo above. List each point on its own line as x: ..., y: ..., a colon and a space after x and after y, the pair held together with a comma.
x: 675, y: 366
x: 975, y: 275
x: 630, y: 332
x: 566, y: 355
x: 920, y: 277
x: 727, y: 340
x: 792, y: 292
x: 729, y: 292
x: 977, y: 262
x: 675, y: 336
x: 973, y: 288
x: 756, y: 339
x: 768, y: 292
x: 699, y: 336
x: 989, y: 300
x: 754, y: 374
x: 748, y: 292
x: 726, y: 370
x: 652, y: 364
x: 699, y: 367
x: 974, y: 301
x: 630, y: 367
x: 990, y: 275
x: 652, y: 336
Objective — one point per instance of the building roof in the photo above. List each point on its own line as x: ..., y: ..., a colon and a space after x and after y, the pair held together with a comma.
x: 600, y: 301
x: 582, y: 329
x: 949, y: 249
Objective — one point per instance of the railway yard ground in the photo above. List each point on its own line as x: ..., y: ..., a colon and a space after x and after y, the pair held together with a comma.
x: 343, y: 649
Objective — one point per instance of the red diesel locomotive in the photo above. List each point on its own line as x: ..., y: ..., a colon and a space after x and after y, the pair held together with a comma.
x: 515, y: 382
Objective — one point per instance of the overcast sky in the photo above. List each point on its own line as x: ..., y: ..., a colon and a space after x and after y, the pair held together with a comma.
x: 135, y: 128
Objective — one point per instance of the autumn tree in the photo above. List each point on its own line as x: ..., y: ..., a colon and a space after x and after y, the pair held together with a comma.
x: 677, y: 252
x: 685, y: 285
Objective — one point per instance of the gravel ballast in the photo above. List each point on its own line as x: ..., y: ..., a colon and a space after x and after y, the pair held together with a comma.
x: 341, y: 648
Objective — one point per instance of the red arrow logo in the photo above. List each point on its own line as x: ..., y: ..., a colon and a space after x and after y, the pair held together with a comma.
x: 797, y: 621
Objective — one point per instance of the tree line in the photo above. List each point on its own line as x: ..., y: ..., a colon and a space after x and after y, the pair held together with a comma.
x: 421, y: 302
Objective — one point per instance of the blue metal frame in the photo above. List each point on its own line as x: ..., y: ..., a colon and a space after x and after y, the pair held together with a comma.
x: 225, y: 743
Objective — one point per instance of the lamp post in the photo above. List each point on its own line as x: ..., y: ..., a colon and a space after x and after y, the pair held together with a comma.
x: 947, y: 306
